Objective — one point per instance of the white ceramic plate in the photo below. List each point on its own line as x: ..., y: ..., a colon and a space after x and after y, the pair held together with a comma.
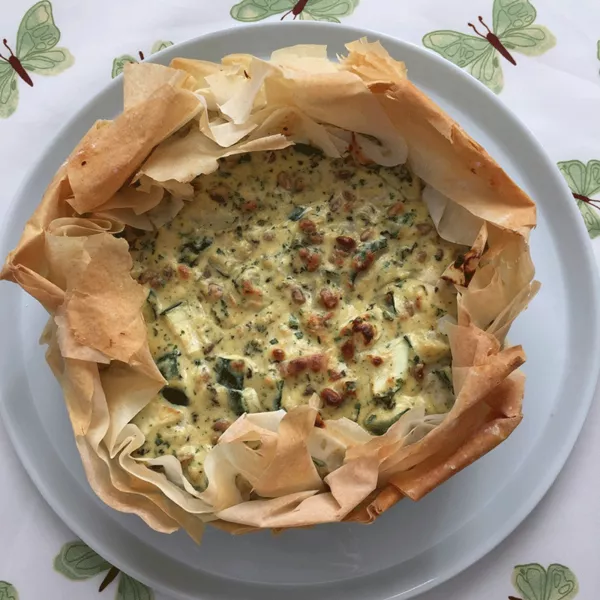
x: 416, y: 545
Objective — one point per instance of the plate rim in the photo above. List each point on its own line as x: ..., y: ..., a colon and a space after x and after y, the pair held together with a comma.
x: 588, y: 263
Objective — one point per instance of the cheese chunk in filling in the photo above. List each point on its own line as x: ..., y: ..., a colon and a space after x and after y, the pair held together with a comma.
x: 292, y: 274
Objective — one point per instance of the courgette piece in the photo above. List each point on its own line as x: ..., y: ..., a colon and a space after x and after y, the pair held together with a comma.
x: 278, y: 395
x: 445, y: 377
x: 168, y: 365
x: 307, y: 150
x: 297, y: 213
x: 430, y: 346
x: 387, y: 399
x: 380, y: 420
x: 236, y: 402
x: 389, y: 378
x: 175, y: 396
x: 180, y: 323
x: 151, y: 310
x: 230, y: 375
x: 250, y: 401
x: 438, y: 389
x: 244, y: 401
x: 171, y: 307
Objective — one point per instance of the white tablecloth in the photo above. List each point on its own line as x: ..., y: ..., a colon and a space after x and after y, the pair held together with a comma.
x: 554, y: 88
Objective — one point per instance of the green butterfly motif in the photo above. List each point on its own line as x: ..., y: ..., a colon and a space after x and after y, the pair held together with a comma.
x: 480, y: 54
x: 584, y: 181
x: 36, y: 52
x: 120, y: 62
x: 8, y: 591
x: 131, y: 589
x: 314, y: 10
x: 534, y: 582
x: 77, y: 561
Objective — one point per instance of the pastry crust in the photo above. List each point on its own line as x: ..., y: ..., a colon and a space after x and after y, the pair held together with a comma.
x: 137, y: 170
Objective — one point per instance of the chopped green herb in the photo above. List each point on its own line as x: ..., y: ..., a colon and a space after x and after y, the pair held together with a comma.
x: 252, y: 347
x: 189, y: 253
x: 363, y: 251
x: 349, y: 387
x: 149, y: 245
x: 408, y: 218
x: 375, y: 245
x: 224, y: 308
x: 406, y: 251
x: 159, y: 441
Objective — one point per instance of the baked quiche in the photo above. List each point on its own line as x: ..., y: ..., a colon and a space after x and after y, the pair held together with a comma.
x: 279, y: 291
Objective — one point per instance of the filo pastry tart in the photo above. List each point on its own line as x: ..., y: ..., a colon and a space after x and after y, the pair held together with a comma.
x: 279, y: 292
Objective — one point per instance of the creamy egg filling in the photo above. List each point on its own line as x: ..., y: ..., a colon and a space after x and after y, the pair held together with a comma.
x: 292, y: 274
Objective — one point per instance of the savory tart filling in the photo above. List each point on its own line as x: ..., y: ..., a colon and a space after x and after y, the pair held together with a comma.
x: 292, y: 274
x: 290, y: 282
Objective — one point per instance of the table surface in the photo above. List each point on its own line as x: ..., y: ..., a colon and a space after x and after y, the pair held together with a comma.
x: 554, y: 88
